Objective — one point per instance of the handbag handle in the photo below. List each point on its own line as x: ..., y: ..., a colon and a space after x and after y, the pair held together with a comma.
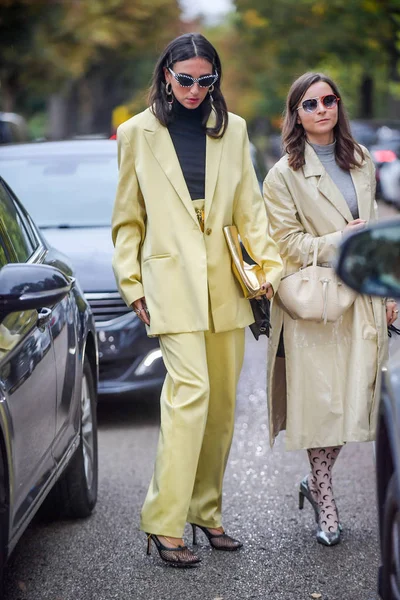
x: 314, y: 242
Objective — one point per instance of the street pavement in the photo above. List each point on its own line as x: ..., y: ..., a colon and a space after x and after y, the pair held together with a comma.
x: 104, y: 557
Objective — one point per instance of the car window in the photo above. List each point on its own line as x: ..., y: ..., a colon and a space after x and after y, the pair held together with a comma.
x: 13, y: 328
x: 75, y: 189
x: 3, y: 256
x: 15, y: 232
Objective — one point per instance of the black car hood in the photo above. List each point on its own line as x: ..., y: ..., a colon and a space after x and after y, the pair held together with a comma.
x: 90, y: 250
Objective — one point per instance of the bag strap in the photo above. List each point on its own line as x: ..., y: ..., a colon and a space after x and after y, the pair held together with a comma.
x: 315, y: 257
x: 314, y: 244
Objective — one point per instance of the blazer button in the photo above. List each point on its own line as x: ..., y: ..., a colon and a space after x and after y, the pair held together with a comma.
x: 208, y: 231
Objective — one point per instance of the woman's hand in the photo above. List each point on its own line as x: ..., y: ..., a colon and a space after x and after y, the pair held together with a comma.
x: 391, y: 312
x: 355, y: 225
x: 140, y: 308
x: 268, y: 289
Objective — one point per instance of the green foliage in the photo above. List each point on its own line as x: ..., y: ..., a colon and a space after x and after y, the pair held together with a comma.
x: 272, y: 43
x: 37, y: 125
x: 46, y: 45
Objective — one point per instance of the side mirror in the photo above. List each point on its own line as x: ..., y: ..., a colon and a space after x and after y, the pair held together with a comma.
x: 369, y: 260
x: 30, y: 286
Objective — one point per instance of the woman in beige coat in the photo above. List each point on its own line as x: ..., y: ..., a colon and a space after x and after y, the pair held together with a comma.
x: 323, y: 379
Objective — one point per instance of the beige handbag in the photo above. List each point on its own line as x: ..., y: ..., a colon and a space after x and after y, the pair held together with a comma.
x: 314, y: 293
x: 250, y: 277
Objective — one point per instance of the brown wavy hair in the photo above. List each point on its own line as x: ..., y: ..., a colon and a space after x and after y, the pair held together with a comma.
x: 349, y: 154
x: 184, y: 47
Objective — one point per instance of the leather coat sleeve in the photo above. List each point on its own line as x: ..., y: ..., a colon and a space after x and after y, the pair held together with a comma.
x: 286, y: 229
x: 128, y: 224
x: 250, y: 218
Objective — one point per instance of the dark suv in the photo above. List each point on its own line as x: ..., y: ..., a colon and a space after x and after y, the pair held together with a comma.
x: 369, y: 262
x: 48, y: 381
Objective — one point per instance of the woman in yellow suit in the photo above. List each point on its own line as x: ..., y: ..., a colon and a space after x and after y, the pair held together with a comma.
x: 184, y: 173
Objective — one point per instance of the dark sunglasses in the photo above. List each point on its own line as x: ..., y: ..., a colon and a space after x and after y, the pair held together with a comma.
x: 204, y: 81
x: 311, y: 105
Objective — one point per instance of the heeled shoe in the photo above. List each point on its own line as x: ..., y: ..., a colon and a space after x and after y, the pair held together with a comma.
x: 328, y: 538
x: 221, y: 541
x: 180, y: 556
x: 305, y: 492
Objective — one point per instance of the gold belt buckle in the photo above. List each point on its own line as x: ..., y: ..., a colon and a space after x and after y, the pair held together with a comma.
x: 200, y: 217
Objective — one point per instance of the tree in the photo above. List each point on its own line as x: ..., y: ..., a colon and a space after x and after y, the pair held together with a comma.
x: 277, y: 41
x: 67, y: 48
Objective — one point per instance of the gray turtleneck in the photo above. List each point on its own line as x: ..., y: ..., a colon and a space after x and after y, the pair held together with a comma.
x: 341, y: 178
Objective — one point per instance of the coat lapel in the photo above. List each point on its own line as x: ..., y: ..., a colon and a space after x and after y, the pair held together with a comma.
x: 314, y: 167
x: 362, y: 184
x: 163, y: 149
x: 213, y: 159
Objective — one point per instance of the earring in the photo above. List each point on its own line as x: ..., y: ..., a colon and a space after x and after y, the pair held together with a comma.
x: 170, y: 97
x: 210, y: 91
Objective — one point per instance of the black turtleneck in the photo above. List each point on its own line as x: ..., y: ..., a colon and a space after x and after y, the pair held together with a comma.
x: 189, y: 139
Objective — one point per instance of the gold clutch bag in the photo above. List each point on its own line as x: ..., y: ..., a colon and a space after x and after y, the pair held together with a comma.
x: 250, y: 277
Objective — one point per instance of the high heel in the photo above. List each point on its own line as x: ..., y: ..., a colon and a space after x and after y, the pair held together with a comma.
x: 221, y: 541
x: 305, y: 492
x: 180, y: 556
x: 328, y: 538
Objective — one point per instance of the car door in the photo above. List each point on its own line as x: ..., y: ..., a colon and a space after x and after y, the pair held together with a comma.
x: 27, y: 371
x: 64, y: 334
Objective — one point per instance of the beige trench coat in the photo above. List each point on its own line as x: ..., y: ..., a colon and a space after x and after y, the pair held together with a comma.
x: 326, y: 389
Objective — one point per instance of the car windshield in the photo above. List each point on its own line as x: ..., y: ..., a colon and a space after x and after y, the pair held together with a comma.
x: 64, y: 190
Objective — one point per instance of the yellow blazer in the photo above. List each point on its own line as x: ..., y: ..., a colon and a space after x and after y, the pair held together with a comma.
x: 160, y: 251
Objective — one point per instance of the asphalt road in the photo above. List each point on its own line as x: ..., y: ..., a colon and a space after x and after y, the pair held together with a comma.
x: 104, y: 557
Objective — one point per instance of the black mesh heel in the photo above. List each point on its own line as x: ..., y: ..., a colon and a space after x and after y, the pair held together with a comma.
x: 181, y: 556
x: 221, y: 541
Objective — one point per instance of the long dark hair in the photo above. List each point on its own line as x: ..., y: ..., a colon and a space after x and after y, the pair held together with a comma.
x: 184, y: 47
x: 293, y: 134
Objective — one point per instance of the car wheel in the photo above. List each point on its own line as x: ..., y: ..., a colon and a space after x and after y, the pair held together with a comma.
x: 75, y: 494
x: 391, y: 544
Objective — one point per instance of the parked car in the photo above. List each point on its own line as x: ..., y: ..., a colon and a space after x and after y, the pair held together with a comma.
x: 389, y: 181
x: 13, y: 128
x: 369, y: 262
x: 69, y: 188
x: 364, y: 132
x: 48, y: 379
x: 382, y: 138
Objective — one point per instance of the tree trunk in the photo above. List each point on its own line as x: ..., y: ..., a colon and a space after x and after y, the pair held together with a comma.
x: 394, y: 76
x: 7, y: 96
x: 57, y: 108
x: 366, y: 109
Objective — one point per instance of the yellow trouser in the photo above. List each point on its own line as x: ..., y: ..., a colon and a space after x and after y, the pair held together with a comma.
x: 197, y: 418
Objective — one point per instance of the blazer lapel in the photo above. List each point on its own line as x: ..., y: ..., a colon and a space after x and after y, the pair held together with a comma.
x: 213, y: 159
x: 163, y: 149
x: 314, y: 167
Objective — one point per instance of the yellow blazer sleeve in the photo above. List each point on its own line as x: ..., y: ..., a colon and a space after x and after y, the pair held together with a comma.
x: 286, y: 229
x: 128, y: 224
x: 250, y: 218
